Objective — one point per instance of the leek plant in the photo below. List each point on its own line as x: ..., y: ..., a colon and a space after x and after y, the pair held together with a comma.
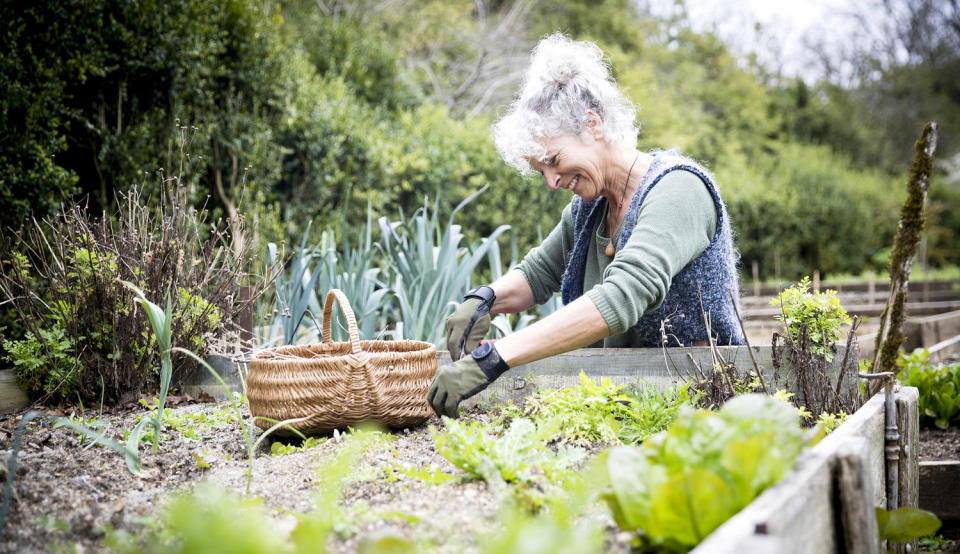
x: 160, y: 322
x: 354, y: 273
x: 429, y: 269
x: 295, y: 294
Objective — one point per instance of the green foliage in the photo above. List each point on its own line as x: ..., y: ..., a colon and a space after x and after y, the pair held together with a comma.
x: 817, y: 315
x: 605, y: 413
x: 278, y: 448
x: 160, y: 321
x: 429, y: 270
x: 429, y: 474
x: 936, y: 543
x: 519, y: 457
x: 44, y: 366
x: 905, y: 524
x: 683, y: 483
x: 938, y: 385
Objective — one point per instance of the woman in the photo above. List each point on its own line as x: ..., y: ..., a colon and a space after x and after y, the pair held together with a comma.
x: 643, y: 255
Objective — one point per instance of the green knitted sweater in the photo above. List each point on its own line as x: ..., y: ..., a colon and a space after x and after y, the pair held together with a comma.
x: 676, y: 223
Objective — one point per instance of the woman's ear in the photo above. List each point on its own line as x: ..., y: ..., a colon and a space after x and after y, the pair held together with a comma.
x: 594, y: 125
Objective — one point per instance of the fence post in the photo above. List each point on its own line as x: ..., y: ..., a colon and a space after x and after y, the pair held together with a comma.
x: 755, y: 267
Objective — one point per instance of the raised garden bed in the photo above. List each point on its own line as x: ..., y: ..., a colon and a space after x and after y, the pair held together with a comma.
x: 70, y: 494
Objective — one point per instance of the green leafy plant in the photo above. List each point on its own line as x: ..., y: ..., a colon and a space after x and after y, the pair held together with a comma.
x: 936, y: 543
x: 905, y: 524
x: 160, y: 321
x: 519, y: 457
x: 686, y: 481
x: 605, y: 413
x: 44, y: 364
x: 817, y: 315
x: 278, y: 448
x: 82, y: 334
x: 294, y: 291
x: 938, y: 385
x: 429, y: 270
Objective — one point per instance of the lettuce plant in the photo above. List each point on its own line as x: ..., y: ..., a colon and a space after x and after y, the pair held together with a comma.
x: 686, y: 481
x: 939, y: 387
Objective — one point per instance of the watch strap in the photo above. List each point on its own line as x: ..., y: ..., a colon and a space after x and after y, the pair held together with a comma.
x: 489, y: 361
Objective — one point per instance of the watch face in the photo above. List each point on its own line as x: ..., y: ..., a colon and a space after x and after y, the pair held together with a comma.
x: 482, y: 350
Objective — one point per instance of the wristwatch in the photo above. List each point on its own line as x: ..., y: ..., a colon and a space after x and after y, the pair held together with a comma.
x: 489, y: 360
x: 484, y: 293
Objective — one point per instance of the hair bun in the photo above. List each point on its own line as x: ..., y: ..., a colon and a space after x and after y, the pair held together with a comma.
x: 561, y: 73
x: 557, y: 60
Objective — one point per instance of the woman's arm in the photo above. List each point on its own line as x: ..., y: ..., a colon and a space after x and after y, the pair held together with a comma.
x: 513, y: 293
x: 576, y: 325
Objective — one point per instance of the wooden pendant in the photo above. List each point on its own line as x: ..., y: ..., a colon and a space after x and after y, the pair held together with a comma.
x: 610, y: 250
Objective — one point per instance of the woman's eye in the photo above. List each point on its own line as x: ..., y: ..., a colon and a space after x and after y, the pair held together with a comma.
x: 552, y: 161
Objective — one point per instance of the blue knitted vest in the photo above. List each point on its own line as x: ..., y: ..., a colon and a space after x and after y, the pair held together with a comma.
x: 700, y: 287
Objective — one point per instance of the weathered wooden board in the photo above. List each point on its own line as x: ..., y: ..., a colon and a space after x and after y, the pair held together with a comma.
x: 940, y: 488
x: 199, y: 380
x: 652, y: 366
x: 12, y: 396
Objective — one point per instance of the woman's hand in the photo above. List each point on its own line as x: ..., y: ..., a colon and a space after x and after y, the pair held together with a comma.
x: 469, y: 323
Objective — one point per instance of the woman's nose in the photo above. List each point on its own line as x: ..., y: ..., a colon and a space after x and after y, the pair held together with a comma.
x: 553, y: 179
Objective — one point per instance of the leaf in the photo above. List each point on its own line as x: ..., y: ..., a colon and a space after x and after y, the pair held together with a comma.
x: 905, y: 524
x: 633, y: 480
x: 689, y: 506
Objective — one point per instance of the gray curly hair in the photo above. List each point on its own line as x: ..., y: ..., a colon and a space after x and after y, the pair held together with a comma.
x: 564, y: 80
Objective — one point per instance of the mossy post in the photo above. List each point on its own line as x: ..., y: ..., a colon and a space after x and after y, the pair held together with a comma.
x: 890, y: 335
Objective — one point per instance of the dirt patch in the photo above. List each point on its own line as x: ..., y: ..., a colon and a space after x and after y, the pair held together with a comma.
x: 940, y: 444
x: 69, y: 495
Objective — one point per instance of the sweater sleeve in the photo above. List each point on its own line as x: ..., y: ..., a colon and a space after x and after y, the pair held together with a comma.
x: 543, y: 266
x: 676, y: 224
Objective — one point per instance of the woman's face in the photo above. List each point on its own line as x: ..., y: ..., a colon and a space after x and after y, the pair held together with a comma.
x: 575, y: 163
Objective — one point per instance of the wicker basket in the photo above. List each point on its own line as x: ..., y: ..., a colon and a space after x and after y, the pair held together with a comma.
x: 338, y: 384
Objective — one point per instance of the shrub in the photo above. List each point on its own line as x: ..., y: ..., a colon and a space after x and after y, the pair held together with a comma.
x: 85, y: 335
x: 818, y: 315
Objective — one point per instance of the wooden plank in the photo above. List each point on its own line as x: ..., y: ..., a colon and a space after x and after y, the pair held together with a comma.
x: 908, y: 427
x: 198, y: 379
x: 940, y: 488
x: 858, y: 520
x: 12, y: 397
x: 630, y: 366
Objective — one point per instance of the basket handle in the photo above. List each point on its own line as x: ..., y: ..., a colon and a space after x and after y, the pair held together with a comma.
x: 352, y: 331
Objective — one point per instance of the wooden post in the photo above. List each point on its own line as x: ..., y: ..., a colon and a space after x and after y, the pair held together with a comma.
x: 871, y: 287
x: 776, y: 264
x: 755, y: 267
x: 908, y: 426
x: 816, y: 280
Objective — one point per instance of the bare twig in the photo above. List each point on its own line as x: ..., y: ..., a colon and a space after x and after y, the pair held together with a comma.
x: 746, y: 340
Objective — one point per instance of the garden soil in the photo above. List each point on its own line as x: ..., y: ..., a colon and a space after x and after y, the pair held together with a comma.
x: 68, y: 495
x: 940, y: 444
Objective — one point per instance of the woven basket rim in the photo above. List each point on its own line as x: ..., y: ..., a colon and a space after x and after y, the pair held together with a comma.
x: 289, y: 352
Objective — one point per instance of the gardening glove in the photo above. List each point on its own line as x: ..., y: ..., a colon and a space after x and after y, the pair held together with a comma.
x: 469, y: 323
x: 465, y: 378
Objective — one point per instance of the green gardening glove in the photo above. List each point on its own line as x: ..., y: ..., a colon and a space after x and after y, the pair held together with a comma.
x: 465, y: 378
x: 469, y: 323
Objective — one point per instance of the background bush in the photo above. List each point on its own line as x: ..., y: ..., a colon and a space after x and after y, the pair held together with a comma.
x: 297, y: 111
